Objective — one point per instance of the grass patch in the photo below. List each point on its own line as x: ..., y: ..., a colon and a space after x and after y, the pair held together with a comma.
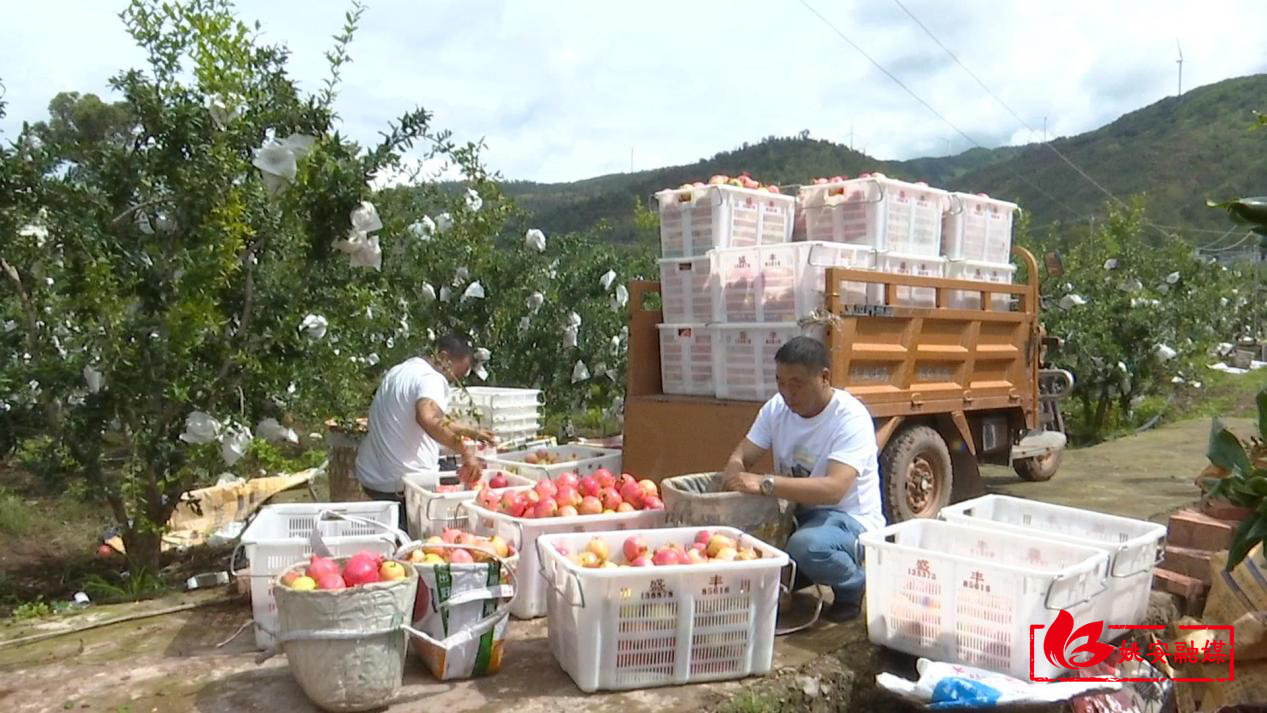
x: 142, y: 585
x: 752, y: 702
x: 15, y: 515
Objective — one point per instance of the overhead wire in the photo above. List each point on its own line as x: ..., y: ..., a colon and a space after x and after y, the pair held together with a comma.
x: 928, y: 106
x: 1048, y: 144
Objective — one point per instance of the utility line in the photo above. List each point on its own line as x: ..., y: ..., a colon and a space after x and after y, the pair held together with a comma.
x: 928, y: 106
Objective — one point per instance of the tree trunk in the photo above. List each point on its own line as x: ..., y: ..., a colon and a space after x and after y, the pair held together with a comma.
x: 1101, y: 412
x: 144, y: 549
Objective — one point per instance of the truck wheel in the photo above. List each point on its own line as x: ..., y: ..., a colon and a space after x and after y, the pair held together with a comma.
x: 917, y: 474
x: 1038, y: 469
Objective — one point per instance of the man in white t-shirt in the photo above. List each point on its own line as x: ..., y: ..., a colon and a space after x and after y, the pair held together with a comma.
x: 408, y: 424
x: 825, y: 454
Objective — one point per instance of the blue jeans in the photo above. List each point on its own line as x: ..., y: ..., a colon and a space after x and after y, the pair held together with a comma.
x: 825, y: 549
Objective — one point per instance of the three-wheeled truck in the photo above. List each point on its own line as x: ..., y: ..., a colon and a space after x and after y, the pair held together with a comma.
x: 949, y: 388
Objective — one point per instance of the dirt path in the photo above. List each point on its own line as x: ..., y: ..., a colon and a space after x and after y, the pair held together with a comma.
x: 1144, y: 476
x: 171, y: 663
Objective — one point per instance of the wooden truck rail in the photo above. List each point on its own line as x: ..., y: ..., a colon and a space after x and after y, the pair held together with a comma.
x: 949, y: 388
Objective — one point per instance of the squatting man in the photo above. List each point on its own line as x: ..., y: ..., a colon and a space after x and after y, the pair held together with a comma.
x: 825, y: 453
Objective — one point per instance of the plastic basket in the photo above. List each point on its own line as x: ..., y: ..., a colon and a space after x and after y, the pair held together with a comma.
x: 636, y: 627
x: 1000, y: 274
x: 743, y: 358
x: 429, y: 512
x: 1134, y: 546
x: 970, y: 595
x: 581, y: 460
x: 877, y: 212
x: 530, y: 599
x: 977, y: 227
x: 686, y: 288
x: 686, y: 359
x: 782, y: 283
x: 694, y: 221
x: 278, y: 538
x: 919, y: 266
x: 698, y: 499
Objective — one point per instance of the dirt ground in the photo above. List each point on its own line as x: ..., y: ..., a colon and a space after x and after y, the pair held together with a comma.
x: 171, y: 662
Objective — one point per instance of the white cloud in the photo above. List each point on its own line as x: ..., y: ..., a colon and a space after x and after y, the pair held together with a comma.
x: 566, y: 89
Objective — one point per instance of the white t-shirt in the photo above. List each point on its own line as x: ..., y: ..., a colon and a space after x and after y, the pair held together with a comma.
x: 842, y: 432
x: 396, y: 444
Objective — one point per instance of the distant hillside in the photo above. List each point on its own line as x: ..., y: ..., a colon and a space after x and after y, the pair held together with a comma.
x: 1176, y: 152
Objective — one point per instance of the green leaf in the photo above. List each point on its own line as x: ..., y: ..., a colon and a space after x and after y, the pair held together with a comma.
x: 1226, y: 450
x: 1262, y: 413
x: 1252, y: 531
x: 1251, y: 211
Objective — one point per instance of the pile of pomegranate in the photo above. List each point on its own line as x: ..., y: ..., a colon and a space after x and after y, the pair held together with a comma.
x: 708, y: 547
x: 361, y: 568
x: 567, y: 495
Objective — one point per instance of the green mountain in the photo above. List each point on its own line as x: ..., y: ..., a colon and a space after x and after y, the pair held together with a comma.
x: 1175, y: 153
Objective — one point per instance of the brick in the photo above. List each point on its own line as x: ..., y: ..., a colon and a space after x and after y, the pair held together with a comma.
x: 1189, y: 589
x: 1189, y: 528
x: 1223, y: 510
x: 1189, y: 562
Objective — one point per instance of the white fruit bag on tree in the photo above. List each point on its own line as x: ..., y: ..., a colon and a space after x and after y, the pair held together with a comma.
x: 200, y: 428
x: 580, y: 372
x: 474, y: 291
x: 233, y: 443
x: 461, y: 616
x: 94, y: 378
x: 535, y: 300
x: 365, y: 218
x: 607, y: 279
x: 535, y: 239
x: 424, y: 229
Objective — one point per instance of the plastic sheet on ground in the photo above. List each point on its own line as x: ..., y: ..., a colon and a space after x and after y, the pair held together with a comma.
x: 944, y: 686
x: 203, y: 513
x: 1227, y: 369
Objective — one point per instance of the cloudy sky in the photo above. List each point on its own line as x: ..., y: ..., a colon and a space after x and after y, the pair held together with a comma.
x: 562, y: 90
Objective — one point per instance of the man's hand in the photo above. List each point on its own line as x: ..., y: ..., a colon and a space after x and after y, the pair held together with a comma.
x: 471, y: 470
x: 483, y: 436
x: 749, y: 483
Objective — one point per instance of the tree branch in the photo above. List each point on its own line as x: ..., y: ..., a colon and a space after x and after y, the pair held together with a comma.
x: 118, y: 219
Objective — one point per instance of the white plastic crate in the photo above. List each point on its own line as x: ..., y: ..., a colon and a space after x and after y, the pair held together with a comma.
x: 970, y: 595
x: 977, y: 227
x: 686, y: 359
x: 686, y: 288
x: 877, y: 212
x: 581, y: 460
x: 429, y: 512
x: 530, y: 598
x: 278, y: 538
x: 637, y: 627
x: 507, y: 412
x: 999, y: 274
x: 694, y: 221
x: 1134, y: 546
x: 743, y: 358
x: 917, y: 265
x: 782, y: 283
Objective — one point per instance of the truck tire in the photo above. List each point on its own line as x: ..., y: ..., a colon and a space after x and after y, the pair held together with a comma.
x: 915, y: 466
x: 1036, y: 470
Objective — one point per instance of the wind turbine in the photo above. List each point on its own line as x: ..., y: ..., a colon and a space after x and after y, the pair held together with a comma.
x: 1180, y: 63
